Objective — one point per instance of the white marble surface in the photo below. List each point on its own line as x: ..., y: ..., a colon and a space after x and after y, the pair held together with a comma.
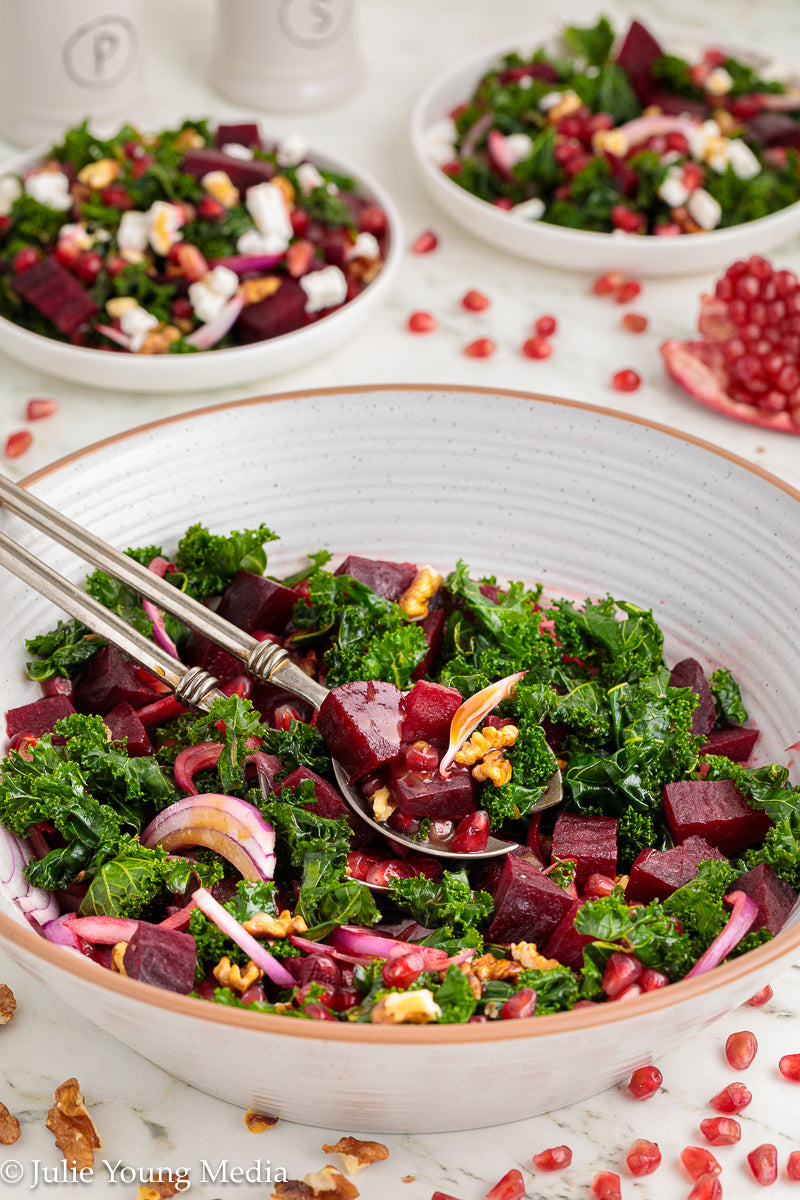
x: 148, y: 1119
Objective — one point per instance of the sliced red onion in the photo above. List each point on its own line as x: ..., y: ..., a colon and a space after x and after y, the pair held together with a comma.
x: 787, y: 101
x: 59, y: 933
x: 744, y: 911
x: 159, y: 566
x: 213, y: 331
x: 469, y: 716
x: 114, y: 335
x: 244, y: 940
x: 641, y: 128
x: 321, y: 948
x: 15, y: 855
x: 268, y: 766
x: 242, y: 264
x: 499, y: 154
x: 181, y: 918
x: 225, y: 824
x: 355, y: 940
x: 102, y: 931
x: 475, y: 133
x: 193, y: 759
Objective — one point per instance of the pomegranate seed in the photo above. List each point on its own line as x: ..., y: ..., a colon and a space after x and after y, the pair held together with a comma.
x: 191, y: 262
x: 475, y: 301
x: 598, y: 885
x: 510, y: 1187
x: 789, y: 1067
x: 431, y: 868
x: 421, y: 322
x: 626, y: 380
x: 181, y: 309
x: 621, y: 971
x: 708, y: 1187
x: 740, y: 1050
x: 645, y: 1082
x: 634, y: 322
x: 89, y: 266
x: 142, y: 164
x: 17, y: 443
x: 472, y: 834
x: 426, y: 242
x: 443, y: 1196
x: 606, y: 1186
x: 299, y: 257
x: 115, y: 265
x: 441, y: 830
x: 283, y: 716
x: 692, y: 176
x: 677, y: 142
x: 24, y: 259
x: 35, y: 410
x: 667, y: 229
x: 300, y: 221
x: 480, y: 348
x: 537, y: 347
x: 699, y: 1161
x: 605, y: 284
x: 210, y: 209
x: 565, y: 151
x: 545, y: 326
x: 651, y: 980
x: 793, y: 1166
x: 421, y: 756
x: 721, y: 1131
x: 67, y: 252
x: 629, y: 291
x: 57, y: 685
x: 521, y: 1004
x: 117, y: 196
x: 501, y: 202
x: 764, y: 1164
x: 393, y: 868
x: 761, y: 998
x: 373, y: 219
x: 555, y: 1158
x: 626, y: 219
x: 643, y: 1157
x: 358, y: 864
x: 402, y: 971
x: 732, y: 1099
x: 628, y: 993
x: 403, y: 823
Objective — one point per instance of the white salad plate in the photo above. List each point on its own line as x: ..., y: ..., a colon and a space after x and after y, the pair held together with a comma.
x: 212, y: 368
x: 577, y: 249
x: 584, y: 499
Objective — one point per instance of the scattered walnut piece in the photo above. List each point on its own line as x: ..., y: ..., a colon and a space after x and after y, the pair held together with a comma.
x: 293, y: 1189
x: 409, y: 1179
x: 489, y: 967
x: 286, y: 186
x: 161, y: 1190
x: 257, y: 1122
x: 327, y: 1184
x: 72, y: 1127
x: 9, y: 1127
x: 230, y: 975
x: 254, y: 290
x: 526, y: 954
x: 8, y: 1005
x: 417, y: 1007
x: 158, y: 341
x: 424, y: 585
x: 264, y: 925
x: 356, y: 1154
x: 117, y: 958
x: 494, y: 766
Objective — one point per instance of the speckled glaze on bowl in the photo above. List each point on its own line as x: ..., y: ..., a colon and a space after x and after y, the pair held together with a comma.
x: 579, y: 497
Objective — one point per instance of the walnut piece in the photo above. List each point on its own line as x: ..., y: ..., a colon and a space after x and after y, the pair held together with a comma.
x: 254, y: 290
x: 189, y: 139
x: 163, y: 1189
x: 406, y: 1008
x: 382, y: 806
x: 257, y: 1122
x: 117, y: 958
x: 285, y: 185
x: 424, y: 585
x: 489, y: 967
x: 526, y: 954
x: 99, y: 174
x: 72, y: 1127
x: 219, y: 185
x: 327, y: 1184
x: 158, y: 341
x: 8, y: 1005
x: 494, y: 766
x: 264, y: 925
x: 230, y: 975
x: 565, y: 108
x: 356, y: 1154
x: 9, y: 1127
x: 484, y: 740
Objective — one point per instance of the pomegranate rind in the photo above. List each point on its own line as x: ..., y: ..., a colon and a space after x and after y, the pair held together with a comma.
x: 694, y: 366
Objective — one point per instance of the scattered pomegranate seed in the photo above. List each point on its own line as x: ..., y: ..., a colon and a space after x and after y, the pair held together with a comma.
x: 545, y: 326
x: 521, y: 1004
x: 537, y: 347
x: 645, y: 1082
x: 651, y: 980
x: 24, y: 259
x: 510, y: 1187
x: 598, y: 885
x: 556, y: 1157
x: 421, y: 322
x: 764, y: 1164
x: 17, y: 443
x: 475, y: 301
x: 36, y: 409
x: 89, y: 266
x: 643, y: 1157
x: 472, y: 834
x: 421, y: 756
x: 793, y: 1166
x: 373, y: 219
x: 606, y: 1186
x: 621, y: 971
x: 608, y: 283
x: 699, y: 1161
x: 403, y: 970
x: 740, y: 1049
x: 299, y: 257
x: 480, y: 348
x: 721, y: 1131
x: 426, y: 242
x: 634, y: 322
x: 762, y: 997
x: 192, y: 262
x: 629, y: 291
x: 443, y: 1196
x: 626, y: 380
x: 626, y: 219
x: 789, y: 1067
x: 708, y: 1187
x: 732, y: 1099
x: 283, y: 716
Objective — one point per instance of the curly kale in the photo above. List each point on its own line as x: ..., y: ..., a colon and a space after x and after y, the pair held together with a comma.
x: 454, y: 997
x: 210, y: 560
x: 767, y: 788
x: 781, y: 851
x: 447, y: 902
x: 728, y: 698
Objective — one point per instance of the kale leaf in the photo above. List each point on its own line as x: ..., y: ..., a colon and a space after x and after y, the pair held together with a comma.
x: 727, y: 696
x: 454, y: 997
x: 64, y: 650
x: 448, y: 902
x: 210, y: 560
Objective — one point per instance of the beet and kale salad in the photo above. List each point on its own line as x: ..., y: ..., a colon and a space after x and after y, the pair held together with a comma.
x: 190, y: 239
x: 213, y: 854
x: 610, y: 133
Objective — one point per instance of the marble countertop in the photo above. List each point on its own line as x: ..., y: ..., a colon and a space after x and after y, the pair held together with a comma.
x: 145, y: 1117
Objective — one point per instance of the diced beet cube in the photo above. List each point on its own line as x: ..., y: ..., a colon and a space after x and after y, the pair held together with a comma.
x: 636, y: 56
x: 387, y: 579
x: 485, y: 875
x: 433, y: 628
x: 198, y: 651
x: 491, y: 592
x: 774, y: 896
x: 673, y: 105
x: 360, y: 722
x: 282, y: 312
x: 56, y: 294
x: 109, y: 679
x: 565, y: 943
x: 38, y: 717
x: 241, y: 172
x: 244, y: 134
x: 655, y: 874
x: 689, y: 674
x: 255, y: 603
x: 266, y: 697
x: 328, y: 803
x: 591, y: 841
x: 126, y: 727
x: 427, y: 794
x: 735, y: 742
x: 165, y: 958
x: 430, y: 708
x: 715, y: 810
x: 773, y: 129
x: 527, y: 904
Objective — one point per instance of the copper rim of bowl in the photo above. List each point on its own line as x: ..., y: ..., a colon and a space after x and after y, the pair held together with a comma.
x: 755, y: 961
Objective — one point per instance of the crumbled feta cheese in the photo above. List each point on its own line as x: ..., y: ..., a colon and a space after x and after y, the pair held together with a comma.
x: 78, y: 234
x: 219, y: 185
x: 267, y: 206
x: 133, y: 230
x: 324, y: 288
x: 209, y: 295
x: 50, y: 188
x: 673, y: 191
x: 291, y: 150
x: 332, y: 188
x: 518, y: 147
x: 223, y: 281
x: 704, y: 209
x: 137, y: 323
x: 237, y: 150
x: 10, y: 190
x: 365, y: 246
x: 308, y: 177
x: 592, y: 71
x: 164, y: 221
x: 440, y: 141
x: 253, y: 242
x: 718, y: 82
x: 550, y: 100
x: 525, y: 81
x: 742, y: 159
x: 529, y: 210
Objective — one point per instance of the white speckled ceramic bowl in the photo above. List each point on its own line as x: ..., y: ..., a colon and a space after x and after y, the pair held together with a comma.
x: 581, y: 498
